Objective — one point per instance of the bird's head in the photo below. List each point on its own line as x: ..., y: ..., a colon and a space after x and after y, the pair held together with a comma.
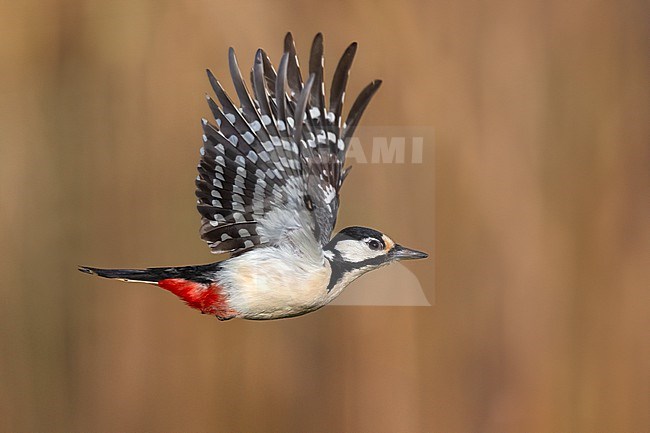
x: 361, y: 247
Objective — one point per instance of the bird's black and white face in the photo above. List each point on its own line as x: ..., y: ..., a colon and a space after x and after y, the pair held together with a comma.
x: 361, y: 247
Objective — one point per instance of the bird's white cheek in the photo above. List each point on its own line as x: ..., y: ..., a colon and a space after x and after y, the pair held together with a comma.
x: 356, y: 251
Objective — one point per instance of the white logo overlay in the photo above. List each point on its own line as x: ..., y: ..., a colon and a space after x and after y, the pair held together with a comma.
x: 393, y: 285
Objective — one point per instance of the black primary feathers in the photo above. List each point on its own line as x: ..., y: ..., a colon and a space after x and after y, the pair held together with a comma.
x: 280, y: 148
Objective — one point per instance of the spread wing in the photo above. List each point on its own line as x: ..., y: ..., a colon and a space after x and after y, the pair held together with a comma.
x: 273, y: 164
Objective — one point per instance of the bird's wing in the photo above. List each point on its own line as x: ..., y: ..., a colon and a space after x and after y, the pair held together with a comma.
x: 274, y: 164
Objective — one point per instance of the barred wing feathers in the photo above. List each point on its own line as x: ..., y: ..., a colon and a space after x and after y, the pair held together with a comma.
x: 273, y: 163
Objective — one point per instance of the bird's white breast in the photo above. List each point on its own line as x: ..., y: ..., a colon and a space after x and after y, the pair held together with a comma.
x: 273, y: 282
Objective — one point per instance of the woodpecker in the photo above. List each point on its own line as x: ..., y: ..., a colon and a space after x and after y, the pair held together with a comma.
x: 268, y: 184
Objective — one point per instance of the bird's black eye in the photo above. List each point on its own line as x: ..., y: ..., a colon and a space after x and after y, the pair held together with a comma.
x: 374, y: 244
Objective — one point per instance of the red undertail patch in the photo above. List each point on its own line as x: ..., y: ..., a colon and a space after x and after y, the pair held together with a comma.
x: 207, y: 298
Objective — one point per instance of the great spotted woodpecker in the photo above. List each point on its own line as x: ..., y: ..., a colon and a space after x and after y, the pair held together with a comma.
x: 268, y: 193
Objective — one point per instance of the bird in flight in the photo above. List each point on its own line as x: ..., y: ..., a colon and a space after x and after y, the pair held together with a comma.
x: 270, y: 173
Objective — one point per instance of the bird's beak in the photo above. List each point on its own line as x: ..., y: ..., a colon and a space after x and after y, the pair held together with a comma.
x: 399, y: 252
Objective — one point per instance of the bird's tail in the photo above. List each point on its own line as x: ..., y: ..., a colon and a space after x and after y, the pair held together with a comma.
x: 151, y: 276
x: 155, y: 275
x: 193, y: 284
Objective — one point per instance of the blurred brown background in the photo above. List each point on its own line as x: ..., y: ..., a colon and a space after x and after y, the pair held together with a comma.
x: 539, y: 225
